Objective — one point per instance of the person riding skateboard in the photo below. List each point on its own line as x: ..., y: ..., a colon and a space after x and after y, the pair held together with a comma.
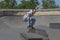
x: 28, y: 17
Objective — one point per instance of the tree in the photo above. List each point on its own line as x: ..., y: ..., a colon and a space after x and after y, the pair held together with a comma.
x: 28, y: 4
x: 23, y: 4
x: 1, y: 4
x: 49, y: 4
x: 8, y: 4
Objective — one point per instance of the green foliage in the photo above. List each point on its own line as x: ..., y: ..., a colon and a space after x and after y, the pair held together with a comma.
x: 8, y: 4
x: 27, y: 4
x: 49, y: 4
x: 30, y: 4
x: 1, y: 4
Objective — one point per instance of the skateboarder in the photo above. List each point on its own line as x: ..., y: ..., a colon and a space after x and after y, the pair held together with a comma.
x: 28, y: 17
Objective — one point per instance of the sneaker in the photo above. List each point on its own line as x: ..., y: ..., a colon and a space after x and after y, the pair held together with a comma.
x: 28, y: 26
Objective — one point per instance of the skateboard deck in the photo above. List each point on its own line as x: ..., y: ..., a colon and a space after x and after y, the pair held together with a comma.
x: 32, y: 30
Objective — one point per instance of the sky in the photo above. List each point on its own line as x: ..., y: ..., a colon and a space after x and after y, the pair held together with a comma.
x: 57, y: 1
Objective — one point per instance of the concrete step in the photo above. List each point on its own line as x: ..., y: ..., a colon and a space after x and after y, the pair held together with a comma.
x: 31, y: 36
x: 38, y: 35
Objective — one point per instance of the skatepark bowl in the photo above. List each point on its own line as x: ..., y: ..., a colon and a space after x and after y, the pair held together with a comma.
x: 13, y: 28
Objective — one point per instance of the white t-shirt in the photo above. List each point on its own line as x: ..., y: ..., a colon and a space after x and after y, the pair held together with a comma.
x: 30, y: 12
x: 25, y: 17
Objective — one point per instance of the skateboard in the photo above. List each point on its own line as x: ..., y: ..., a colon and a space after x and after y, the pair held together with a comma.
x: 32, y: 30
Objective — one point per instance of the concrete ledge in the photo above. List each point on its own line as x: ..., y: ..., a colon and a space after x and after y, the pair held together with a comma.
x: 44, y: 12
x: 31, y: 36
x: 55, y: 25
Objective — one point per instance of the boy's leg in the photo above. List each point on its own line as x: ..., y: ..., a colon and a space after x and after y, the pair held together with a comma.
x: 28, y: 22
x: 32, y: 22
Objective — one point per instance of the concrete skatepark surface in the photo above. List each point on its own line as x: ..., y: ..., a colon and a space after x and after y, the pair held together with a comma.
x: 11, y: 26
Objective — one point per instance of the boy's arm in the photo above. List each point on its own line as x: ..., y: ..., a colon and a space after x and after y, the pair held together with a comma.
x: 37, y: 8
x: 33, y: 11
